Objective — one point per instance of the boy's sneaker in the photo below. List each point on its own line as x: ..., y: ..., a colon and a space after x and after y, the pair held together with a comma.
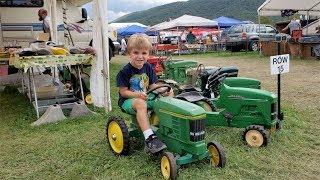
x: 154, y: 145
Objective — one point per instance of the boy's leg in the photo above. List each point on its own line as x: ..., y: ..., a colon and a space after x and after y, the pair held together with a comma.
x: 140, y: 106
x: 153, y: 144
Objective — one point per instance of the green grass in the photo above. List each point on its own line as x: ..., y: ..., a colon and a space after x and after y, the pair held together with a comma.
x: 77, y: 148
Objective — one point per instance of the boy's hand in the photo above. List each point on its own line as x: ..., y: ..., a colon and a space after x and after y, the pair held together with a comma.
x: 142, y: 95
x: 170, y: 93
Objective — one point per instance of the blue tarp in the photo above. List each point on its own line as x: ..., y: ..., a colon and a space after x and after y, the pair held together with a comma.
x: 225, y: 22
x: 133, y: 29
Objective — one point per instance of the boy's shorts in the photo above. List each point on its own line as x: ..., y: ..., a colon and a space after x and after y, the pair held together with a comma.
x: 127, y: 106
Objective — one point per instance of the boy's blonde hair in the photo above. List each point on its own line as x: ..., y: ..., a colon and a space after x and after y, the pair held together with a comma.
x: 139, y: 41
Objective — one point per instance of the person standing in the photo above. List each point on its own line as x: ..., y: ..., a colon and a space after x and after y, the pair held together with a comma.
x: 293, y: 25
x: 123, y: 46
x: 191, y: 38
x: 46, y: 21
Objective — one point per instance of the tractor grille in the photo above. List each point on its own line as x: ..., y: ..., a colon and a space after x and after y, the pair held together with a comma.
x: 197, y: 130
x: 274, y: 110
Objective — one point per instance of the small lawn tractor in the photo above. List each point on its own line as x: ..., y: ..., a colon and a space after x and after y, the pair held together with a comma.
x: 179, y: 124
x: 69, y: 76
x: 249, y: 108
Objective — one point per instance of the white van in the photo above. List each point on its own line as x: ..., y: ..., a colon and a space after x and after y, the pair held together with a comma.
x: 20, y: 25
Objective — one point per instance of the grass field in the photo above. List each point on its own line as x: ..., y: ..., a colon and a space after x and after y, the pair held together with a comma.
x: 77, y: 148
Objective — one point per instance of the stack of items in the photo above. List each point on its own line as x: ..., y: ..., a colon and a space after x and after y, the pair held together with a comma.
x: 4, y: 62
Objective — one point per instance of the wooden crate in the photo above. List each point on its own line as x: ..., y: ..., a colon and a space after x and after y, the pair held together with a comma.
x: 270, y: 48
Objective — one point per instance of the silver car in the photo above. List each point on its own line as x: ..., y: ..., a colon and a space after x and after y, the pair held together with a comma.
x: 246, y: 36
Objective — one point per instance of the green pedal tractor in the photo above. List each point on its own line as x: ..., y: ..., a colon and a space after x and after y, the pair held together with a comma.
x: 179, y: 124
x: 249, y: 108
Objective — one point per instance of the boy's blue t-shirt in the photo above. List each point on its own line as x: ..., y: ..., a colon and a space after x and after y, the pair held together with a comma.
x: 135, y: 79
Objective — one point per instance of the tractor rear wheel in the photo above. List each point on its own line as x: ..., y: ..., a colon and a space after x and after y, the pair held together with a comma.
x: 118, y: 135
x: 256, y: 136
x: 168, y: 166
x: 217, y: 154
x: 206, y: 104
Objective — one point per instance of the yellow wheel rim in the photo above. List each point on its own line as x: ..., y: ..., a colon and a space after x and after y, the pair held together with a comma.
x: 154, y: 120
x: 115, y: 137
x: 165, y: 167
x: 215, y: 158
x: 207, y: 107
x: 88, y: 99
x: 254, y: 138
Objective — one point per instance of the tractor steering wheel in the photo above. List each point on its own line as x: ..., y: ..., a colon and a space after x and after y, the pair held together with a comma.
x: 167, y: 88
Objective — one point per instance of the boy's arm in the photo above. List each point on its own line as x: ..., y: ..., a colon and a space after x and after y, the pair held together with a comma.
x: 125, y: 92
x: 170, y: 93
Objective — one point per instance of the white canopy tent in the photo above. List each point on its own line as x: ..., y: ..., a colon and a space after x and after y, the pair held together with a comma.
x: 274, y: 7
x: 99, y: 77
x: 185, y: 21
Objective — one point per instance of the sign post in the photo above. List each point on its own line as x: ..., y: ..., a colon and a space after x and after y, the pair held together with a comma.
x: 279, y: 65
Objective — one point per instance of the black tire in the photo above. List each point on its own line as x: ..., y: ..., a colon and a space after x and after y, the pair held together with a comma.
x: 278, y: 125
x: 117, y: 127
x: 206, y: 104
x: 219, y: 153
x: 254, y: 46
x: 172, y: 166
x: 256, y: 136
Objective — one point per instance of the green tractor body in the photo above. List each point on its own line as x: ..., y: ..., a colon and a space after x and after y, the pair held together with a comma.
x: 242, y: 107
x: 176, y: 69
x: 242, y: 82
x: 177, y: 123
x: 181, y: 127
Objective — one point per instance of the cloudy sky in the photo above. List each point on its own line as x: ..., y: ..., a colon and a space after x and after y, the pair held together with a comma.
x: 118, y: 8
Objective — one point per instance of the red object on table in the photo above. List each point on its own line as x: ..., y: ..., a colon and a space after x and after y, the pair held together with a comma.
x: 156, y: 62
x: 3, y: 70
x: 166, y: 47
x: 296, y: 34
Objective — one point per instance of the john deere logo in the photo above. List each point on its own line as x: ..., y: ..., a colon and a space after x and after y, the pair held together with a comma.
x: 235, y: 97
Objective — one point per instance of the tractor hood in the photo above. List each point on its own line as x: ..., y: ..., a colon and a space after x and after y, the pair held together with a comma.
x: 177, y: 107
x: 240, y: 93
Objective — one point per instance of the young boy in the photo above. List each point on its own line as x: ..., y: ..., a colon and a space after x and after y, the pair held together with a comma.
x: 133, y: 81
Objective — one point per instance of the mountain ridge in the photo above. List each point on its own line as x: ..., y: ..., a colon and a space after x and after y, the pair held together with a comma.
x: 211, y: 9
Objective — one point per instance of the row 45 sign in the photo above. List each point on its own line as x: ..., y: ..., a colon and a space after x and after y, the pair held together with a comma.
x: 279, y: 64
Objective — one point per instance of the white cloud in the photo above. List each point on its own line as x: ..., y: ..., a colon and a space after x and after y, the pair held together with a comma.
x: 114, y: 15
x: 118, y: 8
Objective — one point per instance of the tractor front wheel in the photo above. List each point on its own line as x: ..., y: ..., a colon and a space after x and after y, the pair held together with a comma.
x: 256, y: 136
x: 168, y: 166
x: 118, y: 135
x: 217, y: 154
x: 88, y: 98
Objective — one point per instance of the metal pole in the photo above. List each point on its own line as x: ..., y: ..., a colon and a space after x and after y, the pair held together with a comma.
x: 279, y: 87
x: 1, y: 32
x: 35, y: 92
x: 259, y: 19
x: 80, y: 81
x: 307, y: 23
x: 29, y: 85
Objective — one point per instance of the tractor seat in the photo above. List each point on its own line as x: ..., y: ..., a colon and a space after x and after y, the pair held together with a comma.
x: 191, y: 96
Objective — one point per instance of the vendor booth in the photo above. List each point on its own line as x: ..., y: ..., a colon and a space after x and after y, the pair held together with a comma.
x: 302, y: 44
x: 226, y: 22
x: 54, y: 57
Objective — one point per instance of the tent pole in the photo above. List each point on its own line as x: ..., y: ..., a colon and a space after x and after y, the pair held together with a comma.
x: 307, y: 23
x: 259, y: 19
x: 1, y: 32
x: 178, y: 41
